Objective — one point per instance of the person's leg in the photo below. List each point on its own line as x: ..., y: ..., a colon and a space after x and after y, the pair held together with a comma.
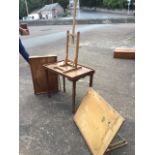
x: 23, y: 52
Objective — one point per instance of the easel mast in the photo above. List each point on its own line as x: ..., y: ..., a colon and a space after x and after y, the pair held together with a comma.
x: 74, y: 20
x: 71, y: 43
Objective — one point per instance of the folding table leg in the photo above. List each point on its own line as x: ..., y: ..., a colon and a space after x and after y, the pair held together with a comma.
x: 64, y: 84
x: 73, y: 96
x: 91, y: 80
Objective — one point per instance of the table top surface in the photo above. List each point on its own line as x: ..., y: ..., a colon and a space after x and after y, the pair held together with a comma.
x: 80, y: 72
x: 123, y: 50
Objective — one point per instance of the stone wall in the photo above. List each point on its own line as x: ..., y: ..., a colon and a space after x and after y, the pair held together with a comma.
x: 84, y: 21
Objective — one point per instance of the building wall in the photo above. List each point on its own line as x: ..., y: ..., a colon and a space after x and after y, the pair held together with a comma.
x: 34, y: 16
x: 58, y: 11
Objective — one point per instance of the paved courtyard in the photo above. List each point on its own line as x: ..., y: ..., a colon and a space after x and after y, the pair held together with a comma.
x: 46, y: 124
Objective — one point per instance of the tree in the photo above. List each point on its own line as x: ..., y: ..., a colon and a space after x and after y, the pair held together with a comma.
x: 63, y: 3
x: 22, y: 9
x: 115, y: 4
x: 110, y: 4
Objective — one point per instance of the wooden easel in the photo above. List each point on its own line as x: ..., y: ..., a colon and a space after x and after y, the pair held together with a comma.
x: 72, y: 42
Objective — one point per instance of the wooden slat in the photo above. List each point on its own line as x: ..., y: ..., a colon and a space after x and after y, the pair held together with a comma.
x: 124, y: 53
x: 39, y: 76
x: 97, y: 121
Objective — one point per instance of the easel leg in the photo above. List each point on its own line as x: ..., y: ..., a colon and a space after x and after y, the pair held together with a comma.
x: 64, y: 84
x: 91, y: 80
x: 77, y: 49
x: 120, y: 143
x: 47, y: 79
x: 73, y: 96
x: 67, y: 42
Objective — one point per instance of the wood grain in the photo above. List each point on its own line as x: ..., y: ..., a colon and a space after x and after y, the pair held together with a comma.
x: 97, y: 121
x: 39, y: 75
x: 59, y: 68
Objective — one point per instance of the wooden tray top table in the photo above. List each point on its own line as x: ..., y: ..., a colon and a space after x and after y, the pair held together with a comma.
x: 71, y: 74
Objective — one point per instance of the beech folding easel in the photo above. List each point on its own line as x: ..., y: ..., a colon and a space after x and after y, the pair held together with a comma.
x: 72, y: 41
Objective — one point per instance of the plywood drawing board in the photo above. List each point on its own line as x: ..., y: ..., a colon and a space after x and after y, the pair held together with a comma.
x: 39, y: 77
x: 124, y: 53
x: 97, y: 121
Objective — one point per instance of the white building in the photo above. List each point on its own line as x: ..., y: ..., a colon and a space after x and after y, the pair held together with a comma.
x: 51, y: 11
x: 47, y: 12
x: 33, y: 16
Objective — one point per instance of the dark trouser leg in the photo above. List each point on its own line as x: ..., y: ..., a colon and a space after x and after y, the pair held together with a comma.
x: 73, y: 96
x: 23, y: 52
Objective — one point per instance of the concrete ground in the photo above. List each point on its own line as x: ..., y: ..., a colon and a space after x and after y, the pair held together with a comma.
x: 46, y: 124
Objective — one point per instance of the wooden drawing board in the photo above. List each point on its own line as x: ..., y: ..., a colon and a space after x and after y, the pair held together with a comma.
x: 124, y: 53
x: 97, y: 121
x: 39, y: 75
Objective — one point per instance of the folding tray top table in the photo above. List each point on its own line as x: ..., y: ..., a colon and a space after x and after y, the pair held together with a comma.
x: 71, y: 75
